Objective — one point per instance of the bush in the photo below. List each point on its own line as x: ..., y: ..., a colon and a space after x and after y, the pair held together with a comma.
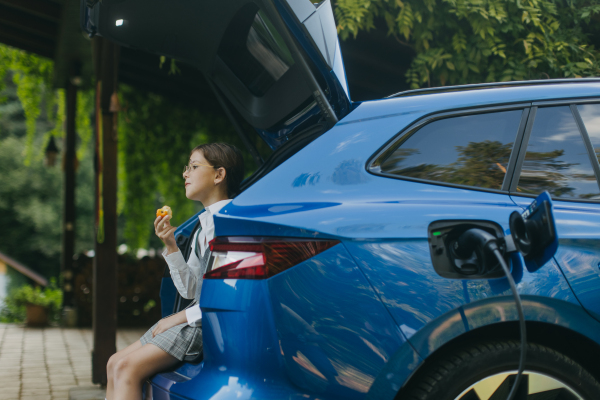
x: 14, y: 304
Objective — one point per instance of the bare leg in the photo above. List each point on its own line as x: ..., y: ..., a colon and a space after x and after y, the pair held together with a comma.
x: 112, y: 362
x: 131, y: 371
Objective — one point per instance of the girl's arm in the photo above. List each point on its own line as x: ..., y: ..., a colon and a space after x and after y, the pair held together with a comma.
x: 184, y: 274
x: 169, y: 322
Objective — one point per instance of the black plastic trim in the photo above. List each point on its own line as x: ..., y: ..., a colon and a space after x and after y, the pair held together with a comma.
x: 522, y: 150
x: 514, y: 154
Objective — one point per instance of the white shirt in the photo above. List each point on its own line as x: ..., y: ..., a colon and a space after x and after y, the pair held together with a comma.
x: 186, y: 274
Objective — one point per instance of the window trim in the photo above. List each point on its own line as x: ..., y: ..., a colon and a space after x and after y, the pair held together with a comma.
x: 572, y: 104
x: 522, y: 150
x: 579, y: 100
x: 373, y: 163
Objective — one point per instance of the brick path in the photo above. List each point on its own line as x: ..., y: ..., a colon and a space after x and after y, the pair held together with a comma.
x: 43, y: 363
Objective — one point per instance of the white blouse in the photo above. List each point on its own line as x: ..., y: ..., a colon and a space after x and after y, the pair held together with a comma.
x: 186, y: 274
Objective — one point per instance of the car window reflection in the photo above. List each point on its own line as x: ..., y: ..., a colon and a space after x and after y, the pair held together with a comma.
x: 590, y: 114
x: 469, y: 150
x: 556, y: 158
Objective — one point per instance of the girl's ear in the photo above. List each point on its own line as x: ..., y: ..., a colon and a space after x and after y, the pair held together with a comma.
x: 220, y: 175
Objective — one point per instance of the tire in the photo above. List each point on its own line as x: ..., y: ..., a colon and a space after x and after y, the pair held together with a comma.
x: 486, y: 371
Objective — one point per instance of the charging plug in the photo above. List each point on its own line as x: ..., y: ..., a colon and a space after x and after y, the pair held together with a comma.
x: 474, y: 252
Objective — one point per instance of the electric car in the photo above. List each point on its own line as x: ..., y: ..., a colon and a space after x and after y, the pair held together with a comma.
x: 323, y: 285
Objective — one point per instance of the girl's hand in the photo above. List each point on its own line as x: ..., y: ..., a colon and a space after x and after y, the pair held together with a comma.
x: 169, y: 322
x: 166, y: 233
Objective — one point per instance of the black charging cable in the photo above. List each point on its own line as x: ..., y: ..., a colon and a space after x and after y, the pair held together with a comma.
x: 519, y: 305
x: 483, y: 244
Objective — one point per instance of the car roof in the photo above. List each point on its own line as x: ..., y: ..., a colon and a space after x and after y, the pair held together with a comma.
x: 427, y: 101
x: 490, y: 85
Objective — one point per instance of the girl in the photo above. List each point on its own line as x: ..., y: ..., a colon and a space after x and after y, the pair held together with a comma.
x: 212, y: 177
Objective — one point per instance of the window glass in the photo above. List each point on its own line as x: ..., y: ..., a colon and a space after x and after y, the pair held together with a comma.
x: 590, y: 114
x: 556, y: 158
x: 470, y: 150
x: 255, y: 51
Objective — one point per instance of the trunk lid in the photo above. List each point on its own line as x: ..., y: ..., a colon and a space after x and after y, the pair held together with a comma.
x: 278, y: 62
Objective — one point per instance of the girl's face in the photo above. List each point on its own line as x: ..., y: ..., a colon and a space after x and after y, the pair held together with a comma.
x: 200, y: 177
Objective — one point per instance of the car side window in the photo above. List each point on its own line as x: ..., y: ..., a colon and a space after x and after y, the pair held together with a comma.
x: 557, y: 159
x: 470, y: 150
x: 590, y: 114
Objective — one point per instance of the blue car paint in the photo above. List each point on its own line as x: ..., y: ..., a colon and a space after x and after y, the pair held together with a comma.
x: 470, y: 317
x: 168, y: 293
x: 299, y: 333
x: 290, y: 337
x: 578, y: 251
x: 321, y: 355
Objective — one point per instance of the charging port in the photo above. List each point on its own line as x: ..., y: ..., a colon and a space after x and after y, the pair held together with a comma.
x: 455, y: 261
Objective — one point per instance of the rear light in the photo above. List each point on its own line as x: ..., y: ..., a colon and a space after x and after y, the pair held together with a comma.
x: 260, y: 258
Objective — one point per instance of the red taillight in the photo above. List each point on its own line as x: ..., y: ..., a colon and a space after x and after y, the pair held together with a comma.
x: 268, y: 256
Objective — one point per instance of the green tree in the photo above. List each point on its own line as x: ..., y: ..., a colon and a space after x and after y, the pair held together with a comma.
x: 31, y: 195
x: 472, y: 41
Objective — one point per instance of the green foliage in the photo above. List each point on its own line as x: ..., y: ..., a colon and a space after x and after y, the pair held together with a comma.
x: 156, y: 136
x: 31, y: 196
x: 32, y: 75
x: 16, y: 301
x: 472, y: 41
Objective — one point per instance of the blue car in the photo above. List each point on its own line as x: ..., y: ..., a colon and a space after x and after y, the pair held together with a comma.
x: 324, y: 284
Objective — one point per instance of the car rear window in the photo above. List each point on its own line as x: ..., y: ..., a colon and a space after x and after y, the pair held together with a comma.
x: 470, y: 150
x: 557, y: 159
x: 259, y: 58
x: 590, y: 114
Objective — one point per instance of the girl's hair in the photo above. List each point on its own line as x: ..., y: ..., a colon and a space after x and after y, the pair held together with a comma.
x: 226, y: 156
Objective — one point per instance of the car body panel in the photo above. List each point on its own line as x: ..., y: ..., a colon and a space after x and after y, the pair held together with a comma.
x: 403, y: 276
x: 288, y: 337
x: 321, y: 355
x: 485, y: 312
x: 578, y: 254
x: 358, y: 320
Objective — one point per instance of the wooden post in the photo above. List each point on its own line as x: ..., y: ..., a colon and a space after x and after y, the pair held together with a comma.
x: 69, y: 165
x: 106, y: 61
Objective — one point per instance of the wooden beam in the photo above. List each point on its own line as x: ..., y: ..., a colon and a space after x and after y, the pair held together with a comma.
x: 23, y: 44
x: 39, y: 8
x: 27, y: 22
x: 37, y: 278
x: 106, y: 59
x: 69, y: 162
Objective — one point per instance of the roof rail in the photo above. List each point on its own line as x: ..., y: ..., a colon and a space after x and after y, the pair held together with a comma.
x: 458, y: 88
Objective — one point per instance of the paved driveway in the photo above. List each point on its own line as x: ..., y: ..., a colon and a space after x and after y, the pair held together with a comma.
x: 43, y: 363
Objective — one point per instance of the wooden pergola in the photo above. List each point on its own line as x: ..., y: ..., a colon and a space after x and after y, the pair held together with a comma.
x: 50, y: 28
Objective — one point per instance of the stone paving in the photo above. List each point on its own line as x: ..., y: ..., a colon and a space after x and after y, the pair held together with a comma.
x: 44, y: 363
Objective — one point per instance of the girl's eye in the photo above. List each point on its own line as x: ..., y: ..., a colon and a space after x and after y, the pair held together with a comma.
x: 194, y: 166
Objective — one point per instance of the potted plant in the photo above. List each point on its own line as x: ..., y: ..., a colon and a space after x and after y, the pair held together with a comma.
x: 38, y: 306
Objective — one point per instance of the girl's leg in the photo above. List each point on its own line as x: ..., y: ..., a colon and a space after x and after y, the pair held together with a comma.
x: 131, y: 371
x: 112, y: 361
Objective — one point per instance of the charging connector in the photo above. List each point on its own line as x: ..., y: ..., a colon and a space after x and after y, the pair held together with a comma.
x: 485, y: 245
x: 475, y: 249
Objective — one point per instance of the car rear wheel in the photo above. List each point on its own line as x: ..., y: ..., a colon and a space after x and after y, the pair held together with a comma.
x: 486, y: 371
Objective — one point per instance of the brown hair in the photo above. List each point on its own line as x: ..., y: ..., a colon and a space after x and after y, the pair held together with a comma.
x: 227, y: 156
